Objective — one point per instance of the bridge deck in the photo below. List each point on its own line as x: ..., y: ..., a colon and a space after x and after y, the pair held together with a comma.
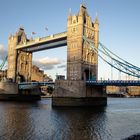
x: 113, y: 83
x: 25, y: 85
x: 29, y: 85
x: 49, y: 42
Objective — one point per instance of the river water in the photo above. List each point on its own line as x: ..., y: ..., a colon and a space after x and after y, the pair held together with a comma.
x: 39, y: 121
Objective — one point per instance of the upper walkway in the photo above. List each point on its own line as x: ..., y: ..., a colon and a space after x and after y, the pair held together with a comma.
x: 48, y: 42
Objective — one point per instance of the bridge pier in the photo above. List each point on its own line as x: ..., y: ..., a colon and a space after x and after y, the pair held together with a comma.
x: 77, y: 93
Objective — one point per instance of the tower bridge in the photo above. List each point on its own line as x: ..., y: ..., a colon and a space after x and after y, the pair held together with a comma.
x: 79, y: 56
x: 82, y: 41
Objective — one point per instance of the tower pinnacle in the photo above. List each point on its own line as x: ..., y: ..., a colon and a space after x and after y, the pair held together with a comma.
x: 96, y: 18
x: 83, y: 3
x: 70, y: 11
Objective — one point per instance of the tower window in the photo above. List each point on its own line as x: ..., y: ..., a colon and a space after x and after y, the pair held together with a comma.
x: 74, y: 29
x: 74, y: 21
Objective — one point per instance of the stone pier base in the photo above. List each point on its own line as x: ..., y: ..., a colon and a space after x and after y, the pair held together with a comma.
x: 76, y: 93
x: 84, y: 101
x: 8, y: 88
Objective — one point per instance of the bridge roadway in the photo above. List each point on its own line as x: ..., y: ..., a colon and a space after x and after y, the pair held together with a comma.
x: 29, y: 85
x: 113, y: 83
x: 48, y: 42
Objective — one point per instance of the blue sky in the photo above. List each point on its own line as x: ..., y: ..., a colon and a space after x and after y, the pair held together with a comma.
x: 119, y: 25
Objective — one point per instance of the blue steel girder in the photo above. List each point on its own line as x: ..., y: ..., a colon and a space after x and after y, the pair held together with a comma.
x: 113, y: 83
x: 29, y: 85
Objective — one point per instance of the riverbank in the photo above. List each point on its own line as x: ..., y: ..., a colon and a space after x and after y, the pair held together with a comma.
x: 122, y: 96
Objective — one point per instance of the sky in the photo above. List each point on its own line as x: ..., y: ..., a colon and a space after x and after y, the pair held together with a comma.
x: 119, y: 22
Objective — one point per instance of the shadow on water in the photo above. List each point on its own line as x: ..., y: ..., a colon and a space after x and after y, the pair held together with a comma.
x: 80, y: 123
x: 87, y: 108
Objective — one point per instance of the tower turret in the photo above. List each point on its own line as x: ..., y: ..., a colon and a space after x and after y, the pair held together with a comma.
x: 12, y: 55
x: 17, y: 59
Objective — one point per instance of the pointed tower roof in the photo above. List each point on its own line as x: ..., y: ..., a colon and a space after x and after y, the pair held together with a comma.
x: 83, y: 10
x: 96, y: 19
x: 69, y: 11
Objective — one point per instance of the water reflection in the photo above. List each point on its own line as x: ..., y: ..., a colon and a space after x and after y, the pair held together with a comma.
x: 15, y: 121
x: 39, y: 121
x: 84, y: 124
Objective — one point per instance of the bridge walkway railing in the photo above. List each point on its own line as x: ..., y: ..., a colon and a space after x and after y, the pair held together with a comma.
x: 113, y: 83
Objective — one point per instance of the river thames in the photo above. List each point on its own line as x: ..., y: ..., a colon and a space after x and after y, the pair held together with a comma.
x: 39, y: 121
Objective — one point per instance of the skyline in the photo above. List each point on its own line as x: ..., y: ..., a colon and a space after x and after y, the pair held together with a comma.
x: 118, y: 21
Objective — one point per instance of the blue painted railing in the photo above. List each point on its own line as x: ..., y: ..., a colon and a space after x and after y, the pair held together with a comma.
x: 113, y: 83
x: 29, y: 85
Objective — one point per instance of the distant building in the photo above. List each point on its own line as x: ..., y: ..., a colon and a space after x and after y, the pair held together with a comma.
x: 60, y: 77
x: 134, y: 91
x: 47, y: 78
x: 130, y: 90
x: 112, y: 89
x: 37, y: 74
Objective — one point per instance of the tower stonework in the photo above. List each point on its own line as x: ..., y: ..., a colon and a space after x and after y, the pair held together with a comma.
x: 12, y: 55
x: 24, y: 66
x: 82, y: 62
x: 19, y: 63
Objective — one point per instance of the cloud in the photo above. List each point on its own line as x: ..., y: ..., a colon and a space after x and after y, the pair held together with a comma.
x: 62, y: 66
x: 47, y: 63
x: 3, y: 52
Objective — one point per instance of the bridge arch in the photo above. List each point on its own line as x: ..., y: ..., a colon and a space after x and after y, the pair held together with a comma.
x: 88, y: 75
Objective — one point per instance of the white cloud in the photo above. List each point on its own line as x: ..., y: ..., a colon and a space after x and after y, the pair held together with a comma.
x: 3, y: 52
x: 47, y: 63
x: 62, y: 66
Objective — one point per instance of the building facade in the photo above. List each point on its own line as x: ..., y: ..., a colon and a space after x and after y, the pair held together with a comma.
x: 37, y: 74
x: 130, y: 90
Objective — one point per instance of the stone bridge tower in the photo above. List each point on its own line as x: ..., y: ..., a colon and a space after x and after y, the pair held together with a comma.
x: 19, y: 63
x: 82, y: 62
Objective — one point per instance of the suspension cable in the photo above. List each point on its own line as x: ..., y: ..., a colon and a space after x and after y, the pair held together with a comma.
x: 128, y: 68
x: 118, y: 56
x: 3, y: 63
